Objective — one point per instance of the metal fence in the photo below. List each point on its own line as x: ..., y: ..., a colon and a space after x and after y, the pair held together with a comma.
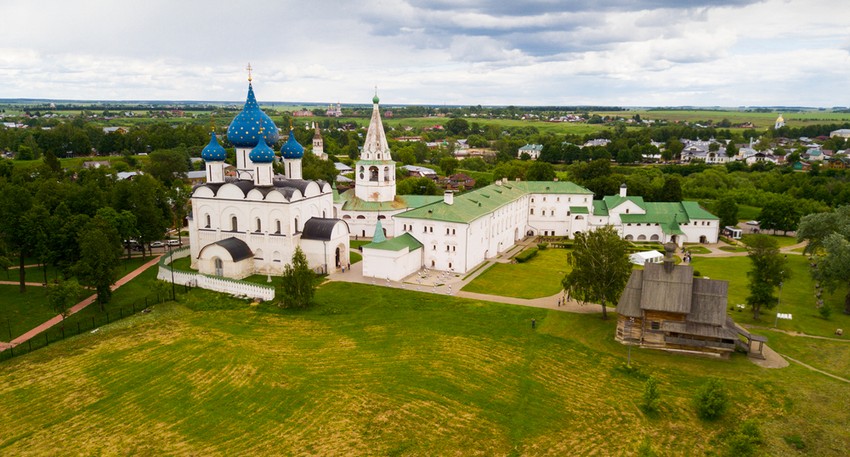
x: 73, y: 326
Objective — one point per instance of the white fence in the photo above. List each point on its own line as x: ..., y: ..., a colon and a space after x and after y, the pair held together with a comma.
x: 191, y: 279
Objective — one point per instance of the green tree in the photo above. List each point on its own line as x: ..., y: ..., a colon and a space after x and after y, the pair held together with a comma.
x: 315, y: 168
x: 168, y: 165
x: 100, y: 254
x: 767, y: 273
x: 731, y: 149
x: 124, y: 222
x: 540, y: 171
x: 298, y: 282
x: 711, y: 400
x: 457, y: 126
x: 780, y: 213
x: 16, y: 225
x: 828, y: 236
x: 650, y: 395
x: 727, y: 210
x: 600, y: 267
x: 417, y: 186
x: 449, y: 165
x: 62, y: 295
x: 671, y: 191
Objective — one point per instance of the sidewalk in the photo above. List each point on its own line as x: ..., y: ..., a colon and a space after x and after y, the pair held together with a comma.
x: 76, y: 308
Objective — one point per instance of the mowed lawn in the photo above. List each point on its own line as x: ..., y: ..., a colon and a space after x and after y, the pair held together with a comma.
x: 539, y: 277
x: 379, y: 371
x: 797, y: 298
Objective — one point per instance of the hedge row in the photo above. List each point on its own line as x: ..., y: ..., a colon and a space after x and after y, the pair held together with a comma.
x: 526, y: 255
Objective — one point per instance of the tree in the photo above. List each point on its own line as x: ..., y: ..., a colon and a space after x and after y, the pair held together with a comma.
x: 727, y: 210
x: 780, y: 213
x: 449, y: 165
x: 417, y: 186
x: 650, y: 395
x: 168, y: 165
x: 540, y: 171
x: 600, y: 267
x: 15, y: 225
x: 298, y: 282
x: 62, y: 295
x: 828, y: 235
x: 711, y: 400
x: 767, y: 273
x: 457, y: 126
x: 731, y: 150
x: 671, y: 191
x: 100, y: 253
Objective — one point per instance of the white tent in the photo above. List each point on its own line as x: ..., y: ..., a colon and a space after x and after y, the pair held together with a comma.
x: 640, y: 258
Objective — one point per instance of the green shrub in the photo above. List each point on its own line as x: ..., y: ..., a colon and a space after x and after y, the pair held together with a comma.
x: 711, y: 400
x: 542, y: 246
x: 744, y: 441
x: 650, y: 396
x: 825, y: 311
x: 697, y: 273
x: 645, y: 449
x: 526, y: 255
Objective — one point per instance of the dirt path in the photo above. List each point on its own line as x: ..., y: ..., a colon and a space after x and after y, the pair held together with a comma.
x: 76, y: 308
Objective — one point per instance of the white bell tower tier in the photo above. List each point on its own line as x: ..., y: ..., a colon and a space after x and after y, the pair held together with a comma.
x: 375, y: 172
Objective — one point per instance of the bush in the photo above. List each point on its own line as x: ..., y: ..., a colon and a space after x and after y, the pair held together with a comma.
x: 697, y: 273
x: 650, y: 396
x: 744, y: 441
x: 711, y: 400
x: 795, y: 441
x: 526, y: 255
x: 825, y: 312
x: 542, y: 246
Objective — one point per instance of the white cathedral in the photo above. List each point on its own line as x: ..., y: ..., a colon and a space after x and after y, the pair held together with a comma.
x: 251, y: 224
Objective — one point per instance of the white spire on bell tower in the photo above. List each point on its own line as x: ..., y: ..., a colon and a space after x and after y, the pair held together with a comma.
x: 318, y: 143
x: 375, y: 173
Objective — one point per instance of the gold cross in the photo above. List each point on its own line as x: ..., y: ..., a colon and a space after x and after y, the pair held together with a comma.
x: 249, y: 71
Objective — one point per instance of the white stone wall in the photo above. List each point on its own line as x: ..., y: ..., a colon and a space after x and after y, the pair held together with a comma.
x: 392, y: 265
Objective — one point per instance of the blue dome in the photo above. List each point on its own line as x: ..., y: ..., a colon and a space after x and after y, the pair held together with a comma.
x: 291, y: 149
x: 213, y: 152
x: 244, y: 130
x: 261, y: 153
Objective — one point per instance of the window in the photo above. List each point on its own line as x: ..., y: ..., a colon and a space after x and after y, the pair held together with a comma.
x: 234, y: 226
x: 447, y: 230
x: 277, y: 226
x: 655, y: 325
x: 297, y: 226
x: 208, y: 221
x: 532, y: 211
x: 453, y: 231
x: 259, y: 225
x: 431, y: 229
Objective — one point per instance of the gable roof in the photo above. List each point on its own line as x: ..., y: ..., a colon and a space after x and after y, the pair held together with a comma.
x: 405, y: 240
x: 319, y: 228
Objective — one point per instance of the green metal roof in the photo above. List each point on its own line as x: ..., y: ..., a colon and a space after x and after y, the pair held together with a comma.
x: 599, y: 208
x: 352, y: 203
x: 398, y: 243
x: 550, y: 187
x: 579, y: 210
x: 613, y: 201
x: 695, y: 211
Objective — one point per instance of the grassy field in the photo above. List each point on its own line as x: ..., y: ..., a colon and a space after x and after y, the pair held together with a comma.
x: 25, y: 311
x: 797, y: 295
x: 539, y: 277
x: 760, y: 120
x: 382, y: 371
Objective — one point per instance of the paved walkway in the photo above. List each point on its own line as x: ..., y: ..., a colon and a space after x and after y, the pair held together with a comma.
x: 76, y: 308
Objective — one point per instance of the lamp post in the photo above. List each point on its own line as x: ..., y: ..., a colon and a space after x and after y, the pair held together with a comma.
x: 171, y: 267
x: 778, y: 302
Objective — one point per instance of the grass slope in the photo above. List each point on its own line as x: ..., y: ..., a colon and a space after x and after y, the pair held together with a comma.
x: 381, y: 371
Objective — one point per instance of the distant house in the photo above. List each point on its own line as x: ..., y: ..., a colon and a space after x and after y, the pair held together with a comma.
x: 197, y: 176
x: 121, y: 130
x: 122, y: 175
x: 843, y: 133
x: 533, y: 150
x: 664, y: 307
x: 302, y: 113
x: 96, y: 164
x: 458, y: 181
x: 420, y: 172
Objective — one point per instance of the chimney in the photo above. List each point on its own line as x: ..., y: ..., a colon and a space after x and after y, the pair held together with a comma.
x: 623, y: 190
x: 669, y: 262
x: 449, y: 197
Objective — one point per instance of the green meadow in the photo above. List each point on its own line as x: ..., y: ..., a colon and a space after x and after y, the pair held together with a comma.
x: 378, y: 371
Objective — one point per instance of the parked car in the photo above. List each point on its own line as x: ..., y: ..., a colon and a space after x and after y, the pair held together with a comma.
x: 752, y: 222
x: 174, y: 242
x: 157, y: 244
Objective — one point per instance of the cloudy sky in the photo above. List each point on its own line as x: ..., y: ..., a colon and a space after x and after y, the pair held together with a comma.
x: 453, y: 52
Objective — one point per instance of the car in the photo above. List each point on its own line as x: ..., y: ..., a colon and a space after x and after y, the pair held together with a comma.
x: 157, y: 244
x: 752, y: 222
x: 174, y: 242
